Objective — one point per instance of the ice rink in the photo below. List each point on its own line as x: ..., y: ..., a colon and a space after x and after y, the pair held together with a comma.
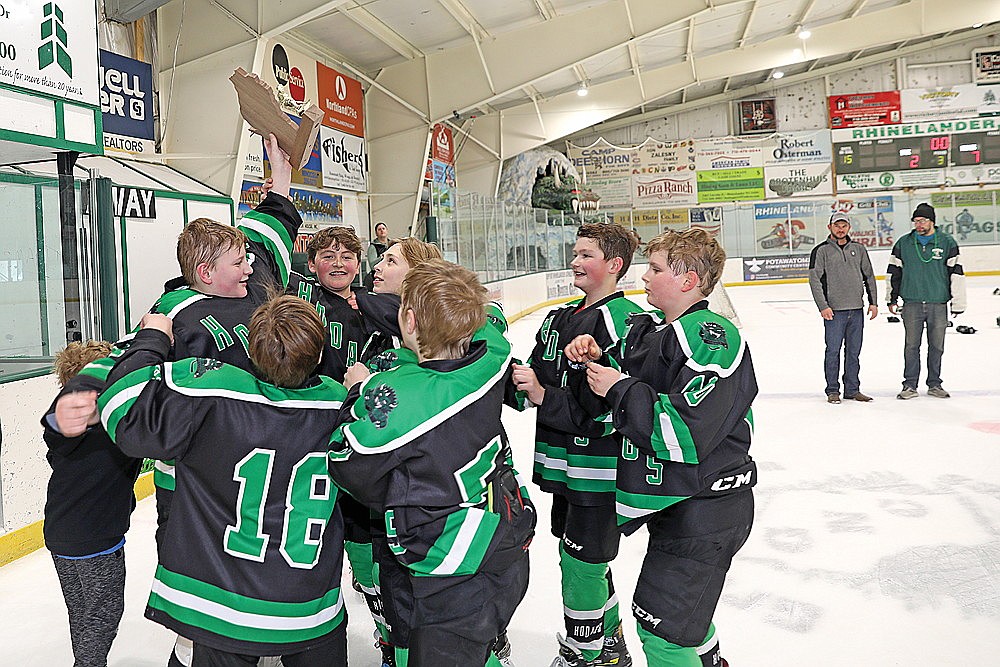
x: 876, y: 540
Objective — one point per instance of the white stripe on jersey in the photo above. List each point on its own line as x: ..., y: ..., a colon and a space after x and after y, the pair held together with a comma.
x: 466, y: 535
x: 576, y: 472
x: 244, y: 618
x: 120, y: 399
x: 274, y: 237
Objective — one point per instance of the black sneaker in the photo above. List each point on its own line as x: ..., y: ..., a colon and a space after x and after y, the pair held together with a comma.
x: 614, y: 653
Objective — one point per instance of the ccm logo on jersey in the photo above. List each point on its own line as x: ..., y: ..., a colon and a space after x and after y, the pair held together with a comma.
x: 645, y: 615
x: 733, y: 482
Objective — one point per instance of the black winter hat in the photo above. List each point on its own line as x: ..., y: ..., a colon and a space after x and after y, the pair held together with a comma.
x: 924, y: 211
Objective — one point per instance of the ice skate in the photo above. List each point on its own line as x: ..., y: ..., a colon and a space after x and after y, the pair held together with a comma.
x: 501, y: 649
x: 614, y: 653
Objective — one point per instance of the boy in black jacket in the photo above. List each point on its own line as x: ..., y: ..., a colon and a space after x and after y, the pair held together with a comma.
x: 87, y: 508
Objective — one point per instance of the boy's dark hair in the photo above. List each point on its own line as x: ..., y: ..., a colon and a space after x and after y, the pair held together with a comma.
x: 204, y: 241
x: 345, y: 237
x: 613, y: 240
x: 70, y: 360
x: 448, y: 303
x: 415, y: 251
x: 691, y: 250
x: 286, y: 339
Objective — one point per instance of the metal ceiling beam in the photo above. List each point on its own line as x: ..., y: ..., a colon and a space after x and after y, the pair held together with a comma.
x: 464, y: 18
x: 857, y: 9
x: 746, y: 26
x: 304, y: 17
x: 365, y: 19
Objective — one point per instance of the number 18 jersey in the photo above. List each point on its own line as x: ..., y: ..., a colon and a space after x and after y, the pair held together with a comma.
x: 251, y: 557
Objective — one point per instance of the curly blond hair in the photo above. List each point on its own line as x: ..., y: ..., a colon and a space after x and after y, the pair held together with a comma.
x: 71, y: 360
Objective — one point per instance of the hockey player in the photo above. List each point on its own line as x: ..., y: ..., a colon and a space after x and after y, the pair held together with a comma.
x: 682, y: 400
x: 575, y: 457
x: 333, y: 255
x: 382, y: 309
x: 421, y: 444
x: 250, y: 562
x: 227, y: 272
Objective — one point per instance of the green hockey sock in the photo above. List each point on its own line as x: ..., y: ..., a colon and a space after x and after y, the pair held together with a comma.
x: 402, y: 656
x: 362, y: 562
x: 612, y: 617
x: 585, y: 596
x: 661, y: 653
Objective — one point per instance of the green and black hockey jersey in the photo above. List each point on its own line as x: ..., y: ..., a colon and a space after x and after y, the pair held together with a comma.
x: 575, y: 456
x: 422, y: 443
x: 347, y: 330
x: 685, y: 412
x: 251, y: 558
x: 215, y: 327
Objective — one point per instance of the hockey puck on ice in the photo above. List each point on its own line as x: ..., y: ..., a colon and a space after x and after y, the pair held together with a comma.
x: 965, y: 330
x: 893, y: 318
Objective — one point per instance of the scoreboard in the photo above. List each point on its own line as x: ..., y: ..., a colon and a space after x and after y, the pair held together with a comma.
x: 894, y: 154
x: 976, y: 148
x: 963, y: 152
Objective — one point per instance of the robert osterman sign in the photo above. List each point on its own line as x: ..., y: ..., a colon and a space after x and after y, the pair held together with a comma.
x: 50, y: 48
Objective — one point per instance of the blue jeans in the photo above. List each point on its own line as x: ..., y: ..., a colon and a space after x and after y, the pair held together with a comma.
x: 845, y: 331
x: 915, y: 316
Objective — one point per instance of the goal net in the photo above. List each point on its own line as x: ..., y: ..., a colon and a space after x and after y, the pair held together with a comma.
x: 719, y: 302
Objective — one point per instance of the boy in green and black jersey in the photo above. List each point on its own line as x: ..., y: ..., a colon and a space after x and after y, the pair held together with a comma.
x: 575, y: 457
x: 680, y: 390
x: 421, y: 444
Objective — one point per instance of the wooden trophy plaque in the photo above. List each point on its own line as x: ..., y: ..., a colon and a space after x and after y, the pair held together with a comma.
x: 261, y: 110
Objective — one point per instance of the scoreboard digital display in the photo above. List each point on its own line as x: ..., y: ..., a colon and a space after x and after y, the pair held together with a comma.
x: 894, y: 154
x: 975, y: 148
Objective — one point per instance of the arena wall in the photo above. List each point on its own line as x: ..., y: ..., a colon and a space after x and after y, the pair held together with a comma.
x: 24, y: 472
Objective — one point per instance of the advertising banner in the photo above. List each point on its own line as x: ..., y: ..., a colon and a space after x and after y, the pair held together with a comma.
x: 891, y: 179
x: 341, y: 99
x: 968, y: 216
x: 443, y: 173
x: 871, y: 220
x: 966, y: 100
x: 51, y: 48
x: 728, y: 153
x: 663, y: 174
x: 442, y: 144
x: 606, y: 169
x: 986, y: 65
x: 757, y: 116
x: 708, y: 218
x: 798, y: 148
x: 291, y: 74
x: 318, y: 209
x: 798, y: 180
x: 787, y: 227
x: 343, y: 158
x: 785, y: 267
x: 721, y: 185
x: 127, y: 104
x: 859, y: 109
x: 311, y: 173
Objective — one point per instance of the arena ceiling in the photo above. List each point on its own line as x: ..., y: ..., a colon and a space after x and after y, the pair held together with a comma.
x: 505, y: 73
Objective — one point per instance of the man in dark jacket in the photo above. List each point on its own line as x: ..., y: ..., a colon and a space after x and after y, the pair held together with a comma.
x: 841, y: 277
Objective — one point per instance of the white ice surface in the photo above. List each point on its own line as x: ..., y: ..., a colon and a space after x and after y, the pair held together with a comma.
x: 876, y: 540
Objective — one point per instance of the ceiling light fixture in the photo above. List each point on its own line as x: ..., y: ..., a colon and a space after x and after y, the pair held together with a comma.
x: 803, y: 33
x: 582, y: 90
x: 777, y: 74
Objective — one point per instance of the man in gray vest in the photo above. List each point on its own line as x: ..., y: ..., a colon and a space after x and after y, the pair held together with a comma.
x: 841, y: 277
